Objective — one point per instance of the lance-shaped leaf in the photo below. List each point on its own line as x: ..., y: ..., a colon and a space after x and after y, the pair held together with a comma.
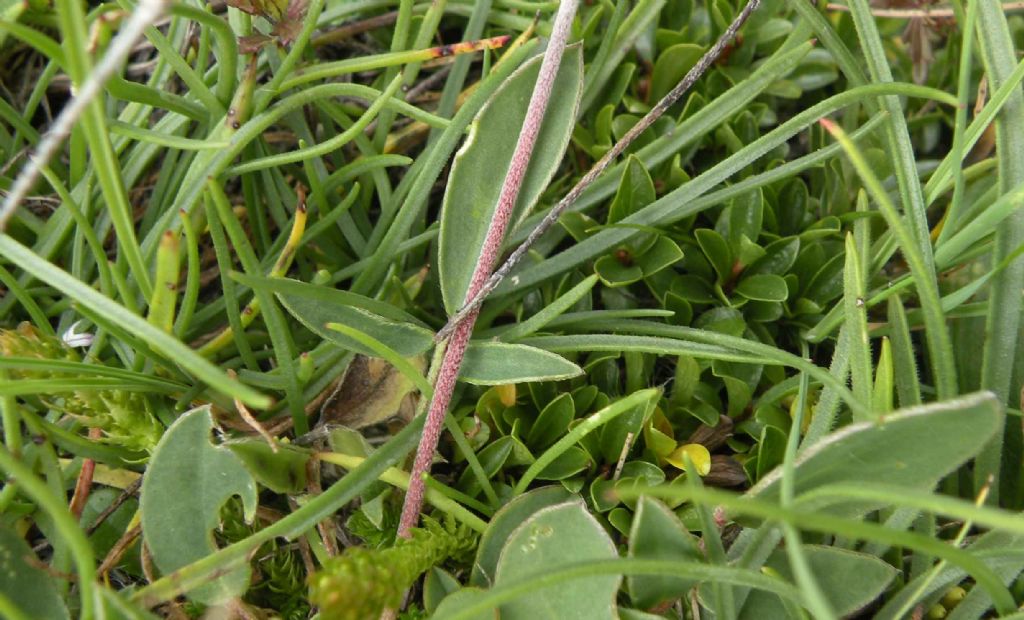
x: 499, y: 363
x: 187, y: 483
x: 914, y: 447
x: 480, y: 165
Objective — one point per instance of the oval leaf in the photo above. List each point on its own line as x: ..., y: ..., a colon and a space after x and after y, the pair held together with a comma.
x: 849, y: 580
x: 763, y: 287
x: 657, y: 534
x: 480, y: 165
x: 503, y: 522
x: 496, y: 363
x: 560, y: 534
x: 915, y: 447
x: 671, y: 66
x: 186, y: 485
x: 552, y: 423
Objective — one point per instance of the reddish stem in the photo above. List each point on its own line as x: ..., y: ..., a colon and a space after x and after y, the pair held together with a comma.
x: 476, y: 299
x: 456, y: 350
x: 84, y: 483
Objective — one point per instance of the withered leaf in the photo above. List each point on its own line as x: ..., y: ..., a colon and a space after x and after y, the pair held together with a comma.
x: 286, y: 19
x: 252, y: 43
x: 725, y: 472
x: 370, y: 391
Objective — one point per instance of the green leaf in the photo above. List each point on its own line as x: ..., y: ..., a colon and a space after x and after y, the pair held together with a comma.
x: 763, y: 287
x: 558, y: 535
x: 602, y: 496
x: 614, y: 272
x: 475, y: 181
x: 664, y: 253
x: 882, y: 390
x: 717, y: 250
x: 827, y: 283
x: 497, y: 363
x: 850, y: 581
x: 746, y: 213
x: 552, y: 422
x: 657, y: 533
x: 27, y: 587
x: 569, y: 463
x: 459, y: 600
x: 504, y: 522
x: 282, y: 470
x: 405, y: 338
x: 913, y: 447
x: 437, y: 585
x: 671, y: 66
x: 168, y: 346
x: 779, y: 256
x: 492, y: 459
x: 636, y: 191
x: 551, y: 311
x: 770, y: 450
x: 187, y: 483
x: 748, y: 252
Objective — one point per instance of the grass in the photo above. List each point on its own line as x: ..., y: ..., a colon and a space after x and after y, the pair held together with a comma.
x: 238, y: 258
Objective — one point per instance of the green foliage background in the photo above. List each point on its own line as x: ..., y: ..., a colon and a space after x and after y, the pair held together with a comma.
x: 767, y: 366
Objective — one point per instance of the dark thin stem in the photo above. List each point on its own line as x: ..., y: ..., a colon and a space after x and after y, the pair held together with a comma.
x: 456, y: 349
x: 145, y: 14
x: 598, y: 169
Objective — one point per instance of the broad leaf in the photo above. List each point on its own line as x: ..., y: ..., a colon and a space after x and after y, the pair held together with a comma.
x: 560, y: 534
x: 315, y: 306
x: 187, y: 483
x: 763, y: 287
x: 552, y: 423
x: 457, y: 601
x: 502, y: 524
x: 437, y: 585
x: 716, y: 248
x: 671, y: 66
x: 779, y: 256
x: 636, y: 191
x: 915, y: 447
x: 480, y: 165
x: 407, y: 339
x: 746, y: 213
x: 848, y: 579
x: 25, y: 585
x: 497, y: 363
x: 657, y: 534
x: 282, y: 470
x: 569, y: 463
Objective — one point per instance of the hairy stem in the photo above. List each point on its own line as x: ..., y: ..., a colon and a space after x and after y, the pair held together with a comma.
x: 485, y: 263
x: 477, y: 296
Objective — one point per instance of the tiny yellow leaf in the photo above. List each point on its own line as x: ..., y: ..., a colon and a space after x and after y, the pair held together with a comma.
x: 698, y: 454
x: 507, y: 394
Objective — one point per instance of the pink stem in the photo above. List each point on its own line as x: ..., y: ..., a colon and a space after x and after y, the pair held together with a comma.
x: 691, y: 77
x: 456, y: 350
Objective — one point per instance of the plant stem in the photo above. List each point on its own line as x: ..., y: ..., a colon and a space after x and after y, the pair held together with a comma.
x: 147, y: 13
x: 485, y: 263
x: 477, y: 297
